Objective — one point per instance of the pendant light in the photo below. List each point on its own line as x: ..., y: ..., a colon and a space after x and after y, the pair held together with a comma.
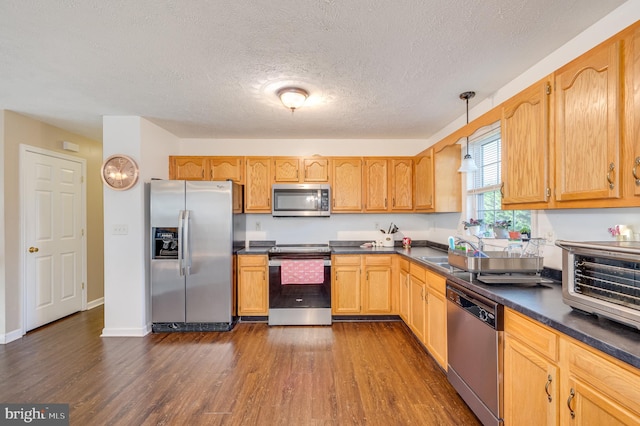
x: 468, y: 165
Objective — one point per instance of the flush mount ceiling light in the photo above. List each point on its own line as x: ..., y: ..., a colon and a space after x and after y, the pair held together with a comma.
x: 292, y: 97
x: 468, y: 165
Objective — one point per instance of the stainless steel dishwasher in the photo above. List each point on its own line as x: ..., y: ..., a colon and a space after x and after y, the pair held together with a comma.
x: 474, y: 340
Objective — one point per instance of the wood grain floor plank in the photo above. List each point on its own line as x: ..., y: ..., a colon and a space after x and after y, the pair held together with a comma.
x: 351, y: 373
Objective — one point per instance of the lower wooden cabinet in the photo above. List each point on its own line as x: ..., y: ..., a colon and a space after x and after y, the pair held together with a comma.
x: 531, y: 372
x: 404, y: 287
x: 253, y: 285
x: 551, y: 379
x: 361, y: 284
x: 418, y: 300
x: 436, y: 324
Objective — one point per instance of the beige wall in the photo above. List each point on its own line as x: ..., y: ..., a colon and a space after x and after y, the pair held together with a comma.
x: 19, y: 129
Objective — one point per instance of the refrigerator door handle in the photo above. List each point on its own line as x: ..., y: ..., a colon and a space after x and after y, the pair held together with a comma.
x: 187, y: 244
x: 180, y: 242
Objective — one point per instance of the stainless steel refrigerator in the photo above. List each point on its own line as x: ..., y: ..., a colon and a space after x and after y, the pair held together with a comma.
x: 196, y: 228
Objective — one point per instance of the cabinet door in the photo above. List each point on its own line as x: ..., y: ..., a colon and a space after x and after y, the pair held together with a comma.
x: 315, y: 170
x: 404, y: 290
x: 531, y: 386
x: 417, y: 307
x: 525, y: 147
x: 448, y: 182
x: 225, y: 168
x: 253, y: 291
x: 188, y: 168
x: 346, y: 286
x: 347, y: 184
x: 588, y: 126
x: 597, y: 389
x: 424, y: 188
x: 377, y: 290
x: 631, y: 174
x: 376, y: 184
x: 402, y: 184
x: 436, y: 323
x: 257, y: 194
x: 286, y: 170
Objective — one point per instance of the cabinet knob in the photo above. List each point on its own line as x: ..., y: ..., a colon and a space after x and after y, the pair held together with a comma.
x: 33, y: 249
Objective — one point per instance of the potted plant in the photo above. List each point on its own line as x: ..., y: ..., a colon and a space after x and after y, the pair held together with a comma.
x: 501, y: 228
x: 525, y: 231
x: 472, y: 226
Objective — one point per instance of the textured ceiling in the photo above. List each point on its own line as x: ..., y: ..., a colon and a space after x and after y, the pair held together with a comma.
x: 209, y: 69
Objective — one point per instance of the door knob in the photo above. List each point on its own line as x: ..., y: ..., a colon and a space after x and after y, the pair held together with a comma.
x: 33, y: 249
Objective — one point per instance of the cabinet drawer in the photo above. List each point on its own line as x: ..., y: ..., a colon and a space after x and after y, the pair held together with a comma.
x: 403, y: 264
x: 345, y: 260
x: 252, y: 260
x: 437, y: 283
x: 377, y: 260
x: 418, y: 271
x: 532, y: 333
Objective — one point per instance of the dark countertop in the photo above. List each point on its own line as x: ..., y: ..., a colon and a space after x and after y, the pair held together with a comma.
x: 542, y: 303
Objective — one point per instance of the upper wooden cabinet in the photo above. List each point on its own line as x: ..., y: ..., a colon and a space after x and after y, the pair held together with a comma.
x: 225, y: 168
x: 587, y: 123
x: 257, y: 193
x: 424, y: 181
x: 286, y: 169
x: 388, y: 184
x: 206, y: 168
x: 346, y: 184
x: 315, y: 169
x: 301, y: 170
x: 376, y: 185
x: 447, y: 179
x: 630, y: 173
x: 188, y: 168
x: 401, y: 184
x: 525, y: 147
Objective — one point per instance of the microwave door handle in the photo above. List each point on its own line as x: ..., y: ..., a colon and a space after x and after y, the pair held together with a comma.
x: 187, y: 244
x: 180, y: 242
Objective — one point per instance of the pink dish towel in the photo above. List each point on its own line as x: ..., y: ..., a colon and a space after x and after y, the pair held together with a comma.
x: 302, y: 271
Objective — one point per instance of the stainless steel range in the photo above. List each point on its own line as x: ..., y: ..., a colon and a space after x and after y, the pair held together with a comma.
x: 300, y: 285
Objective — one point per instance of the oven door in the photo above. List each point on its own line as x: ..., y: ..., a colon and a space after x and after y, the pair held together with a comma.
x: 307, y: 295
x: 299, y: 304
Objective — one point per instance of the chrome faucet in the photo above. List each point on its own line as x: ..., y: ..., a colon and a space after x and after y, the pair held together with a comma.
x: 478, y: 248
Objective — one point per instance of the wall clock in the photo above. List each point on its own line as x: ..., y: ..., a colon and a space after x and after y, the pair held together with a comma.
x: 119, y: 172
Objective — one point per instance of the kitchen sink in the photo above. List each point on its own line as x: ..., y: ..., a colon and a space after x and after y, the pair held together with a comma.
x: 441, y: 261
x: 435, y: 259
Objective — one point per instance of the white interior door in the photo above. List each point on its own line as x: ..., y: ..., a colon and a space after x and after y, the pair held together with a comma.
x: 53, y: 228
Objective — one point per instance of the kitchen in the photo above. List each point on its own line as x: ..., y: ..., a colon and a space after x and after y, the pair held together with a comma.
x: 126, y: 301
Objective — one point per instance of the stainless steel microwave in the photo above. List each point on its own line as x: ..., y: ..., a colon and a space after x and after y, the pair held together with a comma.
x: 300, y: 199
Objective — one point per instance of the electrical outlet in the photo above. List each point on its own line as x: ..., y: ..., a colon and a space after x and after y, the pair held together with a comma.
x: 258, y: 226
x: 550, y: 236
x: 120, y: 229
x: 376, y: 226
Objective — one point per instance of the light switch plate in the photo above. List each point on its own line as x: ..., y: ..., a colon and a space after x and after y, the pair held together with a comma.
x: 120, y: 229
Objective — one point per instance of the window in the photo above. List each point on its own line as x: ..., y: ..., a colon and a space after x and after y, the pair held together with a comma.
x: 484, y: 185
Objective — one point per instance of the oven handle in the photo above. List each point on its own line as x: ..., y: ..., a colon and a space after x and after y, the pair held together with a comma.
x: 278, y: 262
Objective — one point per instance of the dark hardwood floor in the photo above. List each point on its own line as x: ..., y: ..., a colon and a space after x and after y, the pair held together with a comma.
x: 347, y: 374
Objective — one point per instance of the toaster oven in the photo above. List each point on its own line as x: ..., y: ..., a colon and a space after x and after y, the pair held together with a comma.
x: 603, y: 278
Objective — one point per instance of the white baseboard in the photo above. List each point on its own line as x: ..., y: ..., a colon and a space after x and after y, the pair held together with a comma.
x: 10, y: 337
x: 125, y: 332
x: 95, y: 303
